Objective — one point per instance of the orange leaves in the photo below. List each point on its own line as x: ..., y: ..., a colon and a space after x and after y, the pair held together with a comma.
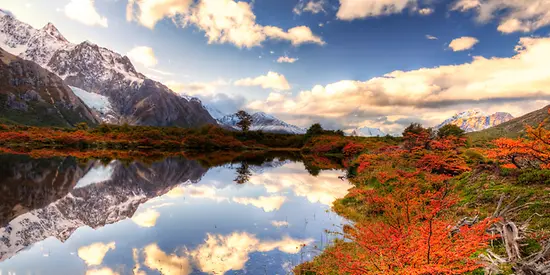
x: 531, y: 152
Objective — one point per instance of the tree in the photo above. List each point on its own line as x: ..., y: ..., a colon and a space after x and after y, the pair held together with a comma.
x: 243, y: 173
x: 314, y: 130
x: 417, y: 137
x: 245, y: 120
x: 450, y: 130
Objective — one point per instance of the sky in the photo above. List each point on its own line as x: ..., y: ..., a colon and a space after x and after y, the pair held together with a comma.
x: 343, y: 63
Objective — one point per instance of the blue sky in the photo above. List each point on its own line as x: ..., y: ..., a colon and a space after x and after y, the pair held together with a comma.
x: 350, y: 45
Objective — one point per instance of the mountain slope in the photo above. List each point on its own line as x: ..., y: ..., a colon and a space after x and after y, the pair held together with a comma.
x: 475, y: 120
x: 513, y: 128
x: 134, y: 98
x: 31, y: 95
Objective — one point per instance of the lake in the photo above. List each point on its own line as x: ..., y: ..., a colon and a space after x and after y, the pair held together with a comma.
x: 173, y: 216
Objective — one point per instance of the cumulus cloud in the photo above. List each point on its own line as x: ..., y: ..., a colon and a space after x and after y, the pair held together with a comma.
x: 167, y: 264
x: 149, y: 12
x: 326, y: 188
x: 147, y: 218
x: 272, y: 80
x: 286, y: 59
x: 309, y: 6
x: 268, y: 204
x: 431, y: 37
x: 463, y: 43
x: 84, y: 12
x: 425, y: 11
x: 356, y: 9
x: 94, y: 253
x: 513, y: 15
x: 427, y: 94
x: 223, y: 21
x: 143, y: 55
x: 222, y: 253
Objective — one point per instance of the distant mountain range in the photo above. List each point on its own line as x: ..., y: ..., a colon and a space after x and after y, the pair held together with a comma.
x: 260, y: 121
x: 133, y: 98
x: 367, y: 132
x: 476, y: 120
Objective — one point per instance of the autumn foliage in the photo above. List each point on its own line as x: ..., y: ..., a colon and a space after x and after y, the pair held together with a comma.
x: 402, y: 208
x: 532, y: 151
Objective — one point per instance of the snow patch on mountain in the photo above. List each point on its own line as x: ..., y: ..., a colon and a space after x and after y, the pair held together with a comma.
x: 98, y: 103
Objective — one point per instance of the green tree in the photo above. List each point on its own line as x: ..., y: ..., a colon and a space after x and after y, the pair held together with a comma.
x: 243, y: 173
x: 450, y: 130
x: 314, y: 130
x: 245, y: 120
x: 82, y: 126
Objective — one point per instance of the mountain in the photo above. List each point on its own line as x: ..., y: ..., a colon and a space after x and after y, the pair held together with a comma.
x: 31, y: 95
x: 133, y: 98
x: 513, y: 128
x: 107, y: 196
x: 476, y: 120
x: 263, y: 122
x: 367, y: 132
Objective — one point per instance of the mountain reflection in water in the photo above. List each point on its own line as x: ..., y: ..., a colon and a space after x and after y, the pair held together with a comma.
x: 64, y: 216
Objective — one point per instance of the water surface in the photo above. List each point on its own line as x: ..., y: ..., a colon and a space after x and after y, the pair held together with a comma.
x: 63, y: 216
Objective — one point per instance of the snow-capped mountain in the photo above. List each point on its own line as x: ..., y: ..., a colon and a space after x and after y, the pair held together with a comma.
x: 476, y: 120
x: 134, y: 98
x: 263, y: 122
x: 110, y: 198
x: 99, y: 104
x: 367, y: 132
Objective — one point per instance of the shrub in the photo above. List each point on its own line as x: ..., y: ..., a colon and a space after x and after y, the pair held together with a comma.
x: 534, y: 177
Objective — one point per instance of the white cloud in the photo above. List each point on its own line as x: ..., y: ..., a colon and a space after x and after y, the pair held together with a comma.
x: 268, y: 204
x: 280, y: 223
x: 326, y: 188
x: 272, y: 80
x: 220, y: 254
x: 101, y: 271
x: 425, y: 11
x: 463, y: 43
x: 84, y: 12
x: 223, y: 21
x: 309, y: 6
x: 167, y: 264
x: 94, y: 253
x: 197, y: 191
x: 356, y: 9
x: 428, y: 94
x: 196, y: 88
x: 514, y: 15
x: 149, y: 12
x: 286, y: 59
x: 430, y: 37
x: 147, y: 218
x: 143, y: 55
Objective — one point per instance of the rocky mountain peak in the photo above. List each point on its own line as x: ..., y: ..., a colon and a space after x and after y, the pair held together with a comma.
x: 476, y: 120
x: 54, y: 32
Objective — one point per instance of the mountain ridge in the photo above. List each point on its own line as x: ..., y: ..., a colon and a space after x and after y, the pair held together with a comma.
x: 135, y: 99
x: 476, y: 120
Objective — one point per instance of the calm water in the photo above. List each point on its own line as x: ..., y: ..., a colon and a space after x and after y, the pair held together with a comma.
x: 61, y: 216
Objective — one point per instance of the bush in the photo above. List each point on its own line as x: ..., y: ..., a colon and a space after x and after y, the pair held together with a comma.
x: 534, y: 177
